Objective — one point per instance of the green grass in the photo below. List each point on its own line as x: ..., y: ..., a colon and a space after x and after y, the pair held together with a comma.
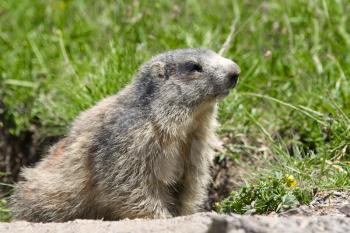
x: 5, y: 214
x: 276, y: 193
x: 292, y: 104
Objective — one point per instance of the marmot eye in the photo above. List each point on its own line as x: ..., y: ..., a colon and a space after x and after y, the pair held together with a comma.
x: 192, y: 67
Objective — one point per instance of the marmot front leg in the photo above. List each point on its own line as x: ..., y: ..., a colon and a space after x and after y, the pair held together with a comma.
x: 157, y: 202
x: 194, y: 192
x: 154, y: 208
x: 161, y: 212
x: 150, y: 202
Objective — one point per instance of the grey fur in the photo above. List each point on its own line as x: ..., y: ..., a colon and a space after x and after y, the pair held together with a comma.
x: 142, y: 153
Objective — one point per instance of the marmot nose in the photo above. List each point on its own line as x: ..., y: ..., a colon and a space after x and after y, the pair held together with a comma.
x: 232, y: 78
x: 231, y: 72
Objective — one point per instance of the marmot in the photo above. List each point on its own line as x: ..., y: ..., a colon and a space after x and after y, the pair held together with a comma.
x: 142, y: 153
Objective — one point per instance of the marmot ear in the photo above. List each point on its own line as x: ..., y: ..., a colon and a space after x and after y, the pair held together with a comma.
x: 158, y: 69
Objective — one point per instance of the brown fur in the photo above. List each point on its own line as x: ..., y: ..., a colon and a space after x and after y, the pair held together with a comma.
x: 56, y: 155
x: 143, y: 153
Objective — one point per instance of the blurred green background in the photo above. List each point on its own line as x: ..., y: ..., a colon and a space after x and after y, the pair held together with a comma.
x: 289, y: 113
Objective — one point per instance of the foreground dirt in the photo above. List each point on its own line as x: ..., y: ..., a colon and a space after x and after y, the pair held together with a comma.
x: 198, y: 223
x: 328, y: 212
x: 330, y: 203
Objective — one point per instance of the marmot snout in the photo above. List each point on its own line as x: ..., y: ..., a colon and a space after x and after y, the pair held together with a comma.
x: 144, y: 152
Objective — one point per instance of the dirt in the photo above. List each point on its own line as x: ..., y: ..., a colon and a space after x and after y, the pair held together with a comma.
x: 16, y: 151
x: 197, y: 223
x: 223, y: 181
x: 226, y: 173
x: 328, y: 212
x: 330, y: 203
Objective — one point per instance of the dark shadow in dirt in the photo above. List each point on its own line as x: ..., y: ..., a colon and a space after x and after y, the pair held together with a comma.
x: 18, y: 151
x: 222, y: 182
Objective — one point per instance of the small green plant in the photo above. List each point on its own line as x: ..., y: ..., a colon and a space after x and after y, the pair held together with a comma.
x: 5, y: 213
x: 274, y: 193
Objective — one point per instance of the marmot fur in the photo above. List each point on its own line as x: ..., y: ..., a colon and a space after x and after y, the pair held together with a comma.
x: 142, y: 153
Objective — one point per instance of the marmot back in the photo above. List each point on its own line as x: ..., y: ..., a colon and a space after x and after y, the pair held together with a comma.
x: 142, y: 153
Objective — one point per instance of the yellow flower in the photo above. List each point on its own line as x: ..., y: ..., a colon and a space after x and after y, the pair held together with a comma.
x: 218, y: 206
x: 291, y: 181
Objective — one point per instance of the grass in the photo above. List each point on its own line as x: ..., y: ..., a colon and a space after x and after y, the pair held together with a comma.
x: 292, y: 103
x: 5, y: 213
x: 276, y: 193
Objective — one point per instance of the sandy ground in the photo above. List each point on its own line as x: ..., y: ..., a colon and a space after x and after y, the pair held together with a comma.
x: 328, y: 203
x: 198, y: 223
x: 328, y: 212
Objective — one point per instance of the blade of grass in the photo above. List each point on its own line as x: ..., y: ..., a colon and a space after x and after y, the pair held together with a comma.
x: 285, y: 104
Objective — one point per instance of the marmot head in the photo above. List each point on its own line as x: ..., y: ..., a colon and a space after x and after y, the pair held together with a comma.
x: 186, y: 78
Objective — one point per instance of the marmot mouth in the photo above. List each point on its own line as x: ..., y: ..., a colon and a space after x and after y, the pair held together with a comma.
x: 222, y: 94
